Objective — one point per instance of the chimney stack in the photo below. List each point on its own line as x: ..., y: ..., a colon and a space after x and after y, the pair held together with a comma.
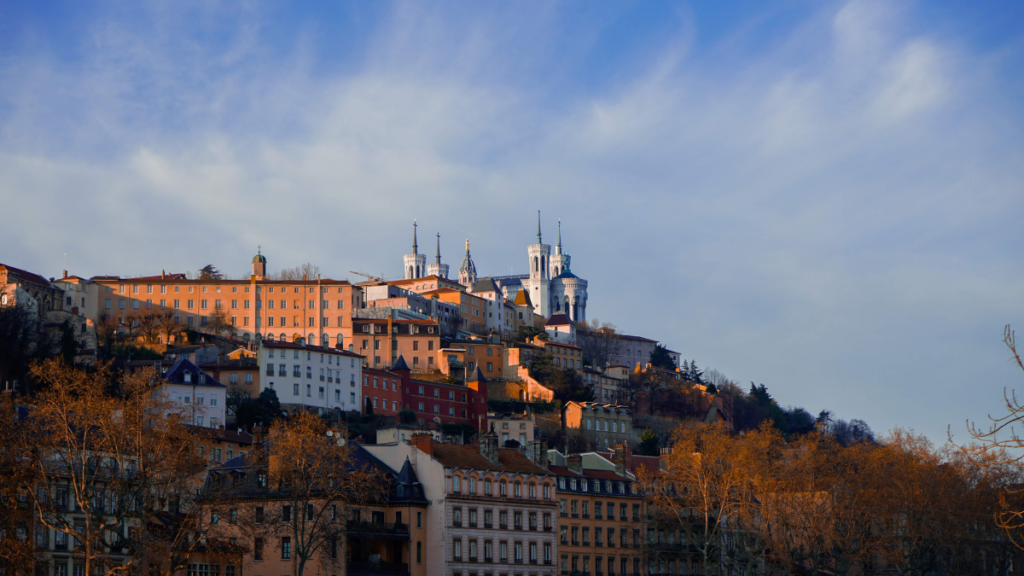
x: 489, y: 446
x: 575, y: 463
x: 537, y: 452
x: 621, y: 451
x: 423, y: 441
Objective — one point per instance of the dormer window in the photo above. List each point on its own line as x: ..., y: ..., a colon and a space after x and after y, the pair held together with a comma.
x: 188, y: 377
x: 202, y: 378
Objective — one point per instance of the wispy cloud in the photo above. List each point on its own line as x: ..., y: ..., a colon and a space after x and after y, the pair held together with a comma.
x: 834, y: 213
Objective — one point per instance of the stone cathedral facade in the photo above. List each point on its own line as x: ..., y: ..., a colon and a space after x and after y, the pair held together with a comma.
x: 550, y: 287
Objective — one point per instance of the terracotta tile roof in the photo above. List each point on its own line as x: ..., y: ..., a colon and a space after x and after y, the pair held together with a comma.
x: 650, y: 463
x: 219, y: 434
x: 385, y: 321
x: 603, y: 475
x: 628, y: 337
x: 379, y: 372
x: 318, y: 349
x: 26, y: 275
x: 562, y: 471
x: 463, y: 456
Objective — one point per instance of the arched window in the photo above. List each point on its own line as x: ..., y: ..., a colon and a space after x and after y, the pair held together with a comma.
x: 325, y: 340
x: 535, y: 264
x: 339, y: 341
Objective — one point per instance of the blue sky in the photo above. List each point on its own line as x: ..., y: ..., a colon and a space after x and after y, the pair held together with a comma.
x: 824, y: 197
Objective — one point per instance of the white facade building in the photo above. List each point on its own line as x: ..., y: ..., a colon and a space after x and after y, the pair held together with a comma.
x: 197, y: 396
x: 311, y: 377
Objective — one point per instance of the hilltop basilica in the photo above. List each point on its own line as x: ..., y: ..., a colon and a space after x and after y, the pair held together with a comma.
x: 550, y: 287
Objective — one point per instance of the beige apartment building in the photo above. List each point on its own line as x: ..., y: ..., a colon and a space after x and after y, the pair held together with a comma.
x: 600, y: 516
x: 382, y: 341
x: 601, y: 425
x: 316, y: 310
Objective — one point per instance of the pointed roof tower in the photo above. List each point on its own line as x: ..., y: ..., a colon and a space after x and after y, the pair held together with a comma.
x: 414, y: 264
x: 538, y: 228
x: 437, y: 268
x: 467, y: 272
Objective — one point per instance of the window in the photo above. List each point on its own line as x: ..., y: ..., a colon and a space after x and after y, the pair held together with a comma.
x: 457, y: 550
x: 286, y: 548
x: 257, y: 549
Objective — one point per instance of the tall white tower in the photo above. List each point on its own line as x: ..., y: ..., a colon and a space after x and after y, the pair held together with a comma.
x: 437, y: 268
x: 539, y: 281
x: 560, y: 260
x: 415, y: 263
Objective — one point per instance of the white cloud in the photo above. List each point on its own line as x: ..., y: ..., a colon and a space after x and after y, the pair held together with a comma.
x: 842, y: 200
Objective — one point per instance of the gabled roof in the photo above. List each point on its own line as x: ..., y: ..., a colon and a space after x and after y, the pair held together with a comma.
x: 25, y: 274
x: 477, y: 376
x: 469, y: 457
x: 485, y: 285
x: 559, y: 320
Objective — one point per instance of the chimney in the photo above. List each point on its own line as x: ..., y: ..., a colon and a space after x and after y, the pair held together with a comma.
x: 575, y: 463
x: 537, y: 452
x: 621, y: 452
x: 65, y: 272
x: 423, y: 441
x: 489, y: 446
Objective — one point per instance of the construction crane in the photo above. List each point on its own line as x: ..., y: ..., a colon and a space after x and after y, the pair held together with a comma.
x: 370, y: 276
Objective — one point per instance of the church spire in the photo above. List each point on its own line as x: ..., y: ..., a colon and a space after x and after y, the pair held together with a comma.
x: 437, y: 259
x: 559, y: 251
x: 538, y: 228
x: 415, y: 246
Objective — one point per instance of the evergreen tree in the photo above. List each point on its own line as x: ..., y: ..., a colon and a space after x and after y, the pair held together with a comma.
x: 649, y: 443
x: 660, y: 358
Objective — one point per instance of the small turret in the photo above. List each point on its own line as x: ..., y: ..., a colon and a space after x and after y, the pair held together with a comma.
x: 259, y: 264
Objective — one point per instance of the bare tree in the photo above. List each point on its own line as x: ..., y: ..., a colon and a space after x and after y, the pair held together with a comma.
x: 220, y: 322
x: 168, y: 325
x: 312, y: 478
x: 101, y: 458
x: 307, y: 271
x: 600, y: 342
x: 1001, y: 444
x: 700, y: 490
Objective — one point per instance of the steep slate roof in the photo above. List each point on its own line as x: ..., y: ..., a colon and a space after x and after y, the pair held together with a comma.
x: 566, y: 274
x: 469, y: 457
x: 176, y: 375
x: 559, y: 320
x: 477, y: 376
x: 485, y: 285
x: 400, y: 365
x: 523, y: 298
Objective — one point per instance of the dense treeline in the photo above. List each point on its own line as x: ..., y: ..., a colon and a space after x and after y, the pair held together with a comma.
x: 757, y: 503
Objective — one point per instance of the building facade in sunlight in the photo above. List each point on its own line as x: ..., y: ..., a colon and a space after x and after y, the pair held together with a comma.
x: 549, y: 288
